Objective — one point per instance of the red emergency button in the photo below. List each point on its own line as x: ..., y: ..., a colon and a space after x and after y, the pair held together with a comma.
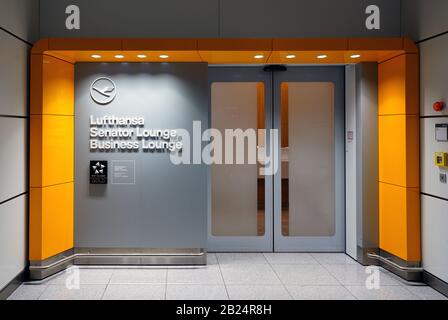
x: 438, y: 106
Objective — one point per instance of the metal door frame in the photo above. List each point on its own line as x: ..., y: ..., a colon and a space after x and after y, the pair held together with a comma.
x: 244, y: 243
x: 336, y: 243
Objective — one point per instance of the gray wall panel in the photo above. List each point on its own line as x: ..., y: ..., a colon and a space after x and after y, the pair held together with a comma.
x: 13, y: 229
x: 19, y: 23
x: 367, y: 156
x: 351, y: 243
x: 424, y: 18
x: 13, y: 157
x: 13, y: 76
x: 435, y: 237
x: 21, y: 18
x: 131, y: 19
x: 293, y: 18
x: 225, y: 18
x: 166, y: 207
x: 430, y: 183
x: 433, y: 74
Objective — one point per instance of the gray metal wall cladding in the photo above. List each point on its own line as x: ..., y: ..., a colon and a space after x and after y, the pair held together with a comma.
x: 166, y: 207
x: 19, y: 29
x: 220, y: 18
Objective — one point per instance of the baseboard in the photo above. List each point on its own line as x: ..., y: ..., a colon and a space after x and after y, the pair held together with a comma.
x: 40, y: 270
x: 435, y: 283
x: 412, y: 276
x: 12, y: 286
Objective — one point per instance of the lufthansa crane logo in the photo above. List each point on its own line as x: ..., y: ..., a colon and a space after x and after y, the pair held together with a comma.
x: 103, y: 90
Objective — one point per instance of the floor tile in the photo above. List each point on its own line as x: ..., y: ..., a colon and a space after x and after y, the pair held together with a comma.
x: 86, y: 276
x: 85, y: 292
x: 315, y: 276
x: 241, y: 258
x: 258, y: 292
x: 135, y: 292
x: 354, y: 275
x: 196, y: 292
x: 333, y: 258
x: 426, y: 293
x: 304, y: 275
x: 255, y: 274
x: 139, y: 276
x: 206, y: 275
x: 28, y: 292
x: 212, y: 259
x: 320, y: 293
x: 384, y: 293
x: 290, y: 258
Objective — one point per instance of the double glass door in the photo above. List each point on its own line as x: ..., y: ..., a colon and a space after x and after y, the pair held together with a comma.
x: 292, y: 198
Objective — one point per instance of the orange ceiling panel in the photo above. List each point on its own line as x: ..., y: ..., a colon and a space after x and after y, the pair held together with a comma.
x: 85, y: 44
x: 369, y: 56
x: 160, y: 44
x: 129, y: 56
x: 383, y: 44
x: 235, y: 45
x: 310, y: 44
x: 227, y: 51
x: 307, y: 57
x: 230, y: 57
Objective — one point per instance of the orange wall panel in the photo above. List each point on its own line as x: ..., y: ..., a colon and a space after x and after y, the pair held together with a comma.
x: 36, y: 151
x: 399, y: 150
x: 392, y: 219
x: 392, y: 86
x: 35, y: 224
x: 36, y: 83
x: 399, y: 156
x: 58, y: 150
x: 413, y: 225
x: 399, y: 85
x: 57, y: 94
x: 399, y: 220
x: 51, y: 220
x: 52, y: 150
x: 51, y: 156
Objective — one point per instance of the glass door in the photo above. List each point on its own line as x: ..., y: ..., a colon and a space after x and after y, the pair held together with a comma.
x: 240, y: 206
x: 301, y: 207
x: 309, y: 209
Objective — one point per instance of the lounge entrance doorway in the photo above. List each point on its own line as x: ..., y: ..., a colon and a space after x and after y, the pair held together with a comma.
x: 300, y: 207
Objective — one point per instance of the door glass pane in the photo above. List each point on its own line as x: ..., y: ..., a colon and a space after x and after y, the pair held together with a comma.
x: 307, y: 159
x: 238, y: 192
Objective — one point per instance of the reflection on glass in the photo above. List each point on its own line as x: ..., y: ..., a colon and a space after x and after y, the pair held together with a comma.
x: 238, y: 192
x: 307, y: 159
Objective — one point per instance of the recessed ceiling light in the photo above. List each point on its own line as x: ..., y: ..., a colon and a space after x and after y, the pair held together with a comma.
x: 164, y: 56
x: 96, y: 56
x: 119, y: 56
x: 322, y: 56
x: 259, y: 56
x: 355, y: 56
x: 141, y: 56
x: 290, y: 56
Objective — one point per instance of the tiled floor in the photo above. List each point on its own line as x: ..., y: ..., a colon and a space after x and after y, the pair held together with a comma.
x: 236, y: 276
